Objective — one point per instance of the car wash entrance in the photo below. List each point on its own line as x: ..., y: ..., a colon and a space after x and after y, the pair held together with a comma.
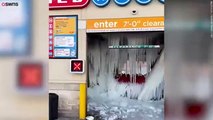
x: 125, y: 73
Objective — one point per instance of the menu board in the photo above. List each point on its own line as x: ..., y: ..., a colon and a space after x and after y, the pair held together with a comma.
x: 63, y: 37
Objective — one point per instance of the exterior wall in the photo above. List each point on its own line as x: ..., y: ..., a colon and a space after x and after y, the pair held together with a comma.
x: 59, y: 75
x: 14, y: 103
x: 68, y: 98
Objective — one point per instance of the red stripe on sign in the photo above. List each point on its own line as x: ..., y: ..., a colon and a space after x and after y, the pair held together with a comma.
x: 51, y: 38
x: 61, y: 4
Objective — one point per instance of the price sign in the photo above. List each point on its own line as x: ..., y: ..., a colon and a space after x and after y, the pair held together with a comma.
x: 63, y: 37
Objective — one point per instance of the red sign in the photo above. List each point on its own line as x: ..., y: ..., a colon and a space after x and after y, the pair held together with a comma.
x: 76, y: 66
x: 51, y: 43
x: 30, y: 75
x: 60, y: 4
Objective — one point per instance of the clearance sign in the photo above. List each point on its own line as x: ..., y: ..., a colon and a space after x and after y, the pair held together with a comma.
x: 125, y: 24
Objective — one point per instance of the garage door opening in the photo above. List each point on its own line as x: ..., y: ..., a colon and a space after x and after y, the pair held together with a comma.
x: 124, y: 70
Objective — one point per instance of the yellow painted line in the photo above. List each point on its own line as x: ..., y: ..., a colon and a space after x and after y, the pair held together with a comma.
x: 82, y: 101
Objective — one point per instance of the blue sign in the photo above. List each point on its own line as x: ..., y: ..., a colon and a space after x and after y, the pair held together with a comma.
x: 64, y: 43
x: 101, y: 3
x: 162, y: 1
x: 122, y: 2
x: 15, y: 27
x: 143, y: 2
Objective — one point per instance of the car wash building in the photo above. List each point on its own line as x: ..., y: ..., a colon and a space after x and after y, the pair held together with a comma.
x: 94, y: 45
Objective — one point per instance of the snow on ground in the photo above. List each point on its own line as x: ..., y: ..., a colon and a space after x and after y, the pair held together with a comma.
x: 103, y: 108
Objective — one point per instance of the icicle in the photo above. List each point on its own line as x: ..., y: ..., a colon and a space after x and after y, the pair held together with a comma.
x: 154, y: 81
x: 105, y: 63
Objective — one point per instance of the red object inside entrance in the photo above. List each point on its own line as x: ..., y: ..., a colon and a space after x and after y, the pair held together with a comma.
x: 125, y: 78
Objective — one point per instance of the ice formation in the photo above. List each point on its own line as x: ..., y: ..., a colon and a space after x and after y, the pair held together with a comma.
x: 125, y: 109
x: 153, y: 88
x: 104, y: 64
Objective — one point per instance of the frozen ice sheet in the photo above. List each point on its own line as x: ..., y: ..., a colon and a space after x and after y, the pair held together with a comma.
x: 125, y: 109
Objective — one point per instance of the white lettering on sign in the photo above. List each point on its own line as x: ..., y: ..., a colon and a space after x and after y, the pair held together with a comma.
x: 62, y: 1
x: 148, y: 23
x: 105, y: 24
x: 59, y: 1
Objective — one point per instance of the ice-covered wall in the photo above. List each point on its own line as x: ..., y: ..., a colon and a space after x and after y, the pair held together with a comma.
x: 153, y: 88
x: 104, y: 63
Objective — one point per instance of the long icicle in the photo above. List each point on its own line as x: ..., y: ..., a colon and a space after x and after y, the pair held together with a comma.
x: 154, y: 81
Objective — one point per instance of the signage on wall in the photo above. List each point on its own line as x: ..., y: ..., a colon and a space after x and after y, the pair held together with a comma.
x: 77, y: 66
x: 143, y: 2
x: 125, y: 24
x: 63, y: 37
x: 59, y: 4
x: 162, y: 1
x: 101, y: 3
x: 62, y: 4
x: 15, y: 27
x: 122, y: 2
